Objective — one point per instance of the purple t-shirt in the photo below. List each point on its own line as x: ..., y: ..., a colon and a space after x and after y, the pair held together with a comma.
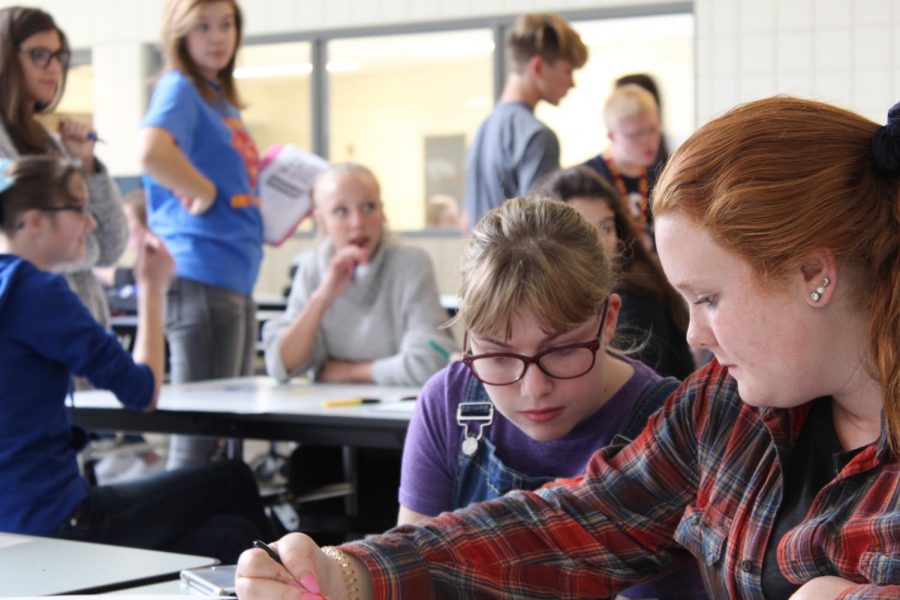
x: 431, y: 451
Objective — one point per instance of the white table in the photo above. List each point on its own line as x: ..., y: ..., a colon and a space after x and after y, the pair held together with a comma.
x: 38, y: 566
x: 260, y: 408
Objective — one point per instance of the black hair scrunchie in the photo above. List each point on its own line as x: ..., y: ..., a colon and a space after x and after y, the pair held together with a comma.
x: 886, y: 143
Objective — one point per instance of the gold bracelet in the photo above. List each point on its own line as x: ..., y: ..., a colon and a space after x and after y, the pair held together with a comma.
x: 347, y: 571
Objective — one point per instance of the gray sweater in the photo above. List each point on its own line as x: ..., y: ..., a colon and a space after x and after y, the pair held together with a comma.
x: 388, y: 316
x: 106, y: 242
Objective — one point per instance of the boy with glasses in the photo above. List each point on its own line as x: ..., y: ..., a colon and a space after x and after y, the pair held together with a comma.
x: 537, y: 392
x: 631, y: 116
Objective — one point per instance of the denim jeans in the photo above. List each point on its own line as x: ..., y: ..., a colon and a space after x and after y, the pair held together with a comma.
x: 212, y: 334
x: 210, y: 510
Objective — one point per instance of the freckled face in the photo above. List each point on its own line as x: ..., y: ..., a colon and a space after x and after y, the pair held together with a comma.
x: 765, y: 336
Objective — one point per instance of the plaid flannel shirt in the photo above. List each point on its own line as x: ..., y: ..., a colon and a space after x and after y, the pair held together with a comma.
x: 703, y: 481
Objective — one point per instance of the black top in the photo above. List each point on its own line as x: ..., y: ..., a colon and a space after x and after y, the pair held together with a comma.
x: 816, y: 459
x: 645, y: 323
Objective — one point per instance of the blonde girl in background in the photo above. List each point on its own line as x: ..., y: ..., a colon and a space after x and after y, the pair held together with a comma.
x: 363, y: 307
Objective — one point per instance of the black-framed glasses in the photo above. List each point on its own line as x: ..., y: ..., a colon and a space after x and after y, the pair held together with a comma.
x: 560, y: 362
x: 41, y: 56
x: 80, y: 209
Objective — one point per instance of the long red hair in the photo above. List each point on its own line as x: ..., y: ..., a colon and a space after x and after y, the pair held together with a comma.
x: 776, y: 180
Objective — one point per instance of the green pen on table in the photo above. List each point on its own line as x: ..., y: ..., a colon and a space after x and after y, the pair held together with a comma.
x: 439, y: 349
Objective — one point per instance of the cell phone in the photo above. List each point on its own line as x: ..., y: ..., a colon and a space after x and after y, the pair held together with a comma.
x: 212, y: 581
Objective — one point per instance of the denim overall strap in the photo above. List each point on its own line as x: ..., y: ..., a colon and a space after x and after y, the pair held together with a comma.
x: 483, y: 476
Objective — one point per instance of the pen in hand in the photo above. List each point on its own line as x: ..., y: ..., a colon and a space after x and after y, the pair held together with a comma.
x: 307, y: 583
x: 268, y: 550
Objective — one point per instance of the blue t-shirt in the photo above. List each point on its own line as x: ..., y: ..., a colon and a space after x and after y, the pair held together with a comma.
x: 222, y: 247
x: 46, y: 334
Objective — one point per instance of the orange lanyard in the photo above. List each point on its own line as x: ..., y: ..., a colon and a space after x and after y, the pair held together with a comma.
x: 643, y: 184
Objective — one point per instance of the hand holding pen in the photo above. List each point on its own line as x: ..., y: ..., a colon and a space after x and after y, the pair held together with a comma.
x: 259, y: 576
x: 344, y: 264
x: 79, y: 140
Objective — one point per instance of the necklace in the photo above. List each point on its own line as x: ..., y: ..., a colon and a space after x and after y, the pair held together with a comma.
x: 637, y: 203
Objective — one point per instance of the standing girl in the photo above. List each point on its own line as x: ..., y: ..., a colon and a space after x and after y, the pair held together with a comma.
x: 34, y: 61
x: 46, y: 336
x: 201, y: 169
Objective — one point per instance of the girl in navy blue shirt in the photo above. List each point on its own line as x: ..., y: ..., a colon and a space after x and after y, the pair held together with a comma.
x: 46, y: 337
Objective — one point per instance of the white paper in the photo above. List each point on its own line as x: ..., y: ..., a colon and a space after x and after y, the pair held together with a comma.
x: 284, y: 190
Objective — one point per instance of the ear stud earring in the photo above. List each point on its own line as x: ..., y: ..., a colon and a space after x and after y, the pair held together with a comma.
x: 820, y: 291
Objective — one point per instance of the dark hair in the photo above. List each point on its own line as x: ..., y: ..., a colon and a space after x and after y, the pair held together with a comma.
x: 38, y: 181
x: 16, y: 25
x: 177, y: 23
x: 643, y: 80
x: 777, y: 180
x: 639, y: 271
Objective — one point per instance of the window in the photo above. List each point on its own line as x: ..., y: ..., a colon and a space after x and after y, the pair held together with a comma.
x: 408, y: 107
x: 78, y: 98
x: 661, y: 46
x: 274, y: 83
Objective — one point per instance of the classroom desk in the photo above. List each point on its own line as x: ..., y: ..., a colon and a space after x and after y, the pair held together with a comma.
x: 260, y: 408
x: 38, y: 566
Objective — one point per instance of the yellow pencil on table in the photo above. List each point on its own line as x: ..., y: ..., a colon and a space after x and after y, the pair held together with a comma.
x: 349, y: 402
x: 358, y: 401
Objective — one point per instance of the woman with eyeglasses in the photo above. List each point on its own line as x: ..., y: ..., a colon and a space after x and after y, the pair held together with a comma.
x: 538, y: 390
x: 46, y: 337
x: 34, y: 61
